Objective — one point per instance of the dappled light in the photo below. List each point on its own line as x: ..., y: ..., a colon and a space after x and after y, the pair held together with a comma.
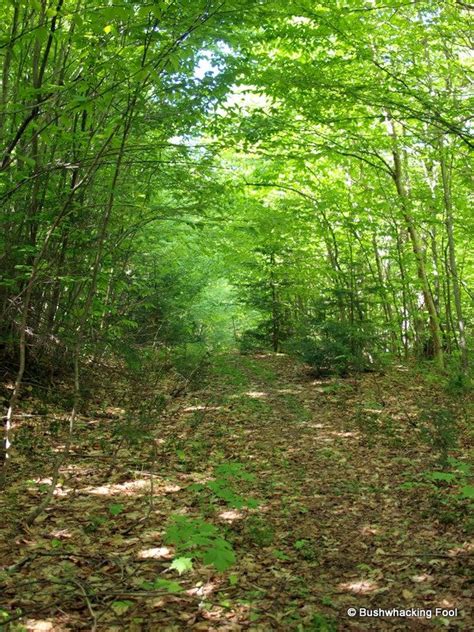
x: 420, y: 579
x: 198, y: 407
x: 205, y: 590
x: 156, y: 553
x: 360, y: 587
x: 38, y: 625
x: 256, y: 394
x: 236, y: 316
x: 231, y: 515
x: 370, y: 530
x: 62, y: 533
x: 128, y: 488
x: 344, y: 435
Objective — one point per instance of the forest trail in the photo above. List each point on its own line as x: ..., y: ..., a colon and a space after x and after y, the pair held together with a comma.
x: 323, y: 458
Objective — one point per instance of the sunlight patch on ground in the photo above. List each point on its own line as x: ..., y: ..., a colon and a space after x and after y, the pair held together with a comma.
x: 156, y: 553
x: 289, y: 391
x: 369, y: 530
x: 171, y: 489
x: 360, y: 587
x: 59, y: 448
x: 153, y: 535
x: 231, y: 515
x: 343, y: 434
x: 467, y: 547
x: 113, y: 410
x: 60, y: 491
x: 42, y: 625
x: 256, y: 394
x: 77, y: 469
x: 204, y: 590
x: 61, y: 533
x: 447, y: 603
x: 419, y: 579
x: 128, y: 488
x: 191, y: 409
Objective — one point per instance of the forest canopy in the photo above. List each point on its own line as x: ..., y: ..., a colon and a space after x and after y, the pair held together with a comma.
x: 301, y: 170
x: 181, y: 180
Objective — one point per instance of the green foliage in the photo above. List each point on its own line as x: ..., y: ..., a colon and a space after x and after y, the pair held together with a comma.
x: 458, y: 383
x: 259, y: 531
x: 458, y: 478
x: 439, y: 428
x: 115, y: 509
x: 189, y: 360
x: 306, y: 549
x: 165, y: 585
x: 334, y: 347
x: 201, y: 540
x: 120, y: 607
x: 321, y: 623
x: 222, y: 487
x: 137, y: 430
x: 182, y: 565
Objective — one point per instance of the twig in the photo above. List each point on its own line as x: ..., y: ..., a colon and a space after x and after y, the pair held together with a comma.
x: 449, y: 557
x: 89, y: 605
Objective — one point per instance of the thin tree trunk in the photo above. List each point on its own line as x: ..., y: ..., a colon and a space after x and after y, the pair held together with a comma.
x: 448, y: 206
x: 417, y: 251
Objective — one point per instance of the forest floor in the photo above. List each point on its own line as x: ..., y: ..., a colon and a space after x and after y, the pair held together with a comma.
x: 345, y: 515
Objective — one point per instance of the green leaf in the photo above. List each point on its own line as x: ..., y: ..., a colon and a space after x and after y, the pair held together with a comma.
x: 467, y: 491
x: 115, y: 509
x: 442, y: 476
x: 166, y: 584
x: 119, y: 607
x: 220, y: 555
x: 182, y: 564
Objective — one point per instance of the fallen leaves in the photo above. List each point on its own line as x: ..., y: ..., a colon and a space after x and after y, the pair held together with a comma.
x: 334, y: 527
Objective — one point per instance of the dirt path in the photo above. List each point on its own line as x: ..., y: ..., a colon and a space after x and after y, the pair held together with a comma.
x: 333, y: 528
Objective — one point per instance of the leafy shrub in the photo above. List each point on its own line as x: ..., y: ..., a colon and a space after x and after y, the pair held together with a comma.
x: 187, y: 359
x: 257, y: 339
x: 222, y: 486
x: 333, y: 347
x: 201, y: 540
x: 439, y: 429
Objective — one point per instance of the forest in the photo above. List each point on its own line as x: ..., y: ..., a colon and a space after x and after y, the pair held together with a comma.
x: 236, y: 296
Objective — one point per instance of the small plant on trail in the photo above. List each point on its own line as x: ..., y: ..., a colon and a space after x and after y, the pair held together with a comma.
x: 459, y: 477
x: 439, y: 430
x: 458, y: 384
x: 199, y: 539
x: 306, y: 550
x: 451, y: 492
x: 366, y: 418
x: 319, y: 623
x: 134, y: 431
x: 259, y: 532
x: 222, y: 487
